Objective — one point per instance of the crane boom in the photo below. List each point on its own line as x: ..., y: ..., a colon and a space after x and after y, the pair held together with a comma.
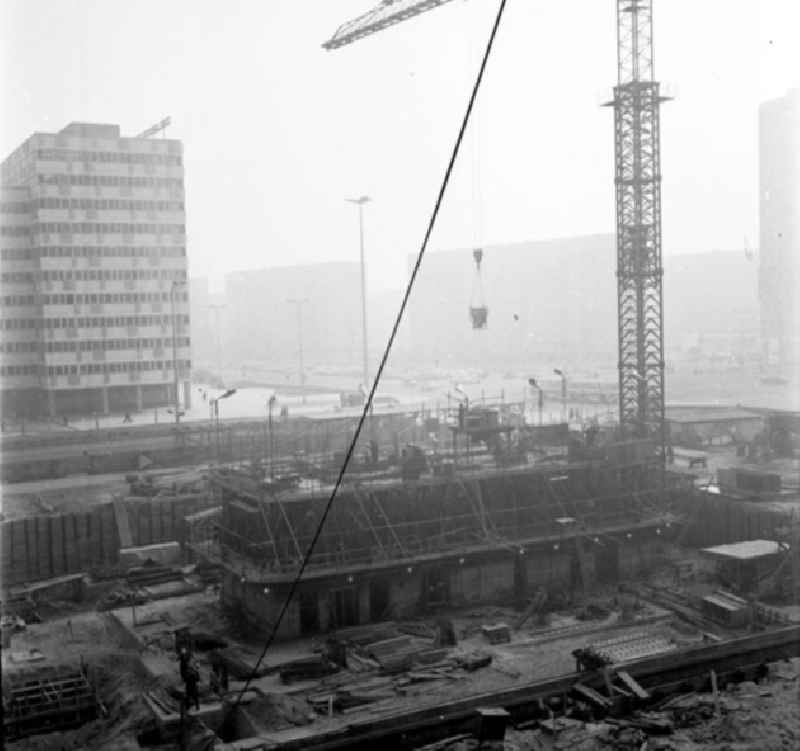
x: 387, y: 13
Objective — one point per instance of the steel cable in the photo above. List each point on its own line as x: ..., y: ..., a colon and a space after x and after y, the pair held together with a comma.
x: 368, y: 403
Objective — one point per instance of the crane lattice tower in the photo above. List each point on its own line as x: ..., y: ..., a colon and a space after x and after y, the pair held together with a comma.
x: 636, y: 103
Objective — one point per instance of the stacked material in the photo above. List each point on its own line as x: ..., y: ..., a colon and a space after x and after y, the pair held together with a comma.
x: 632, y: 647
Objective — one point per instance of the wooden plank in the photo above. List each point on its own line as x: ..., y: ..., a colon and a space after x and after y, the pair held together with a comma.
x: 88, y: 550
x: 631, y: 684
x: 20, y: 570
x: 57, y: 544
x: 43, y: 549
x: 589, y: 695
x: 141, y: 513
x: 163, y: 521
x: 123, y: 525
x: 109, y: 534
x: 69, y: 528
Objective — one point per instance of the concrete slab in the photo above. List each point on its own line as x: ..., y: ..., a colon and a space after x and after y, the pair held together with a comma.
x: 745, y: 550
x: 166, y: 553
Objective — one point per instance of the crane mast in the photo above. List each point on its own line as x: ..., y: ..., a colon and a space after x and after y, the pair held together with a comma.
x: 637, y: 157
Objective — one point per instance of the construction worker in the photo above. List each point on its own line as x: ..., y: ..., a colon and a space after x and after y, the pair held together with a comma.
x: 191, y: 680
x: 183, y: 659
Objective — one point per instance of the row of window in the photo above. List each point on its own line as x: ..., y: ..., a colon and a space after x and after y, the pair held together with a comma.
x: 111, y: 181
x: 100, y: 228
x: 117, y: 204
x: 92, y: 345
x: 92, y: 275
x: 92, y: 251
x: 103, y: 345
x: 15, y: 207
x: 18, y: 370
x: 92, y: 368
x: 20, y: 346
x: 109, y: 157
x: 101, y: 322
x: 9, y: 300
x: 111, y: 298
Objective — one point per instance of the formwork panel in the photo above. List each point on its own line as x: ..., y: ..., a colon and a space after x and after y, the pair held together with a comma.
x: 71, y: 542
x: 57, y: 544
x: 42, y: 550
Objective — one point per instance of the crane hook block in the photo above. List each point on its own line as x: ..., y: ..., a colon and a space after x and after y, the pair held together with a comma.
x: 477, y: 254
x: 479, y: 316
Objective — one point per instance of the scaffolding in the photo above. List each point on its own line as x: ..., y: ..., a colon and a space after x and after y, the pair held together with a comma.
x: 384, y: 524
x: 46, y: 700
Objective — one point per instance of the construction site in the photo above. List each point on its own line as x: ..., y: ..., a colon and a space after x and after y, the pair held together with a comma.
x: 441, y: 578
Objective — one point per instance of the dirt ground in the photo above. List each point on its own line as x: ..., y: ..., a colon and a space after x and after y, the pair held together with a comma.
x: 127, y: 659
x: 113, y: 667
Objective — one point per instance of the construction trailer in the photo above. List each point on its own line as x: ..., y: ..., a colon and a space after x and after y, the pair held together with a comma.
x: 391, y: 549
x: 696, y: 427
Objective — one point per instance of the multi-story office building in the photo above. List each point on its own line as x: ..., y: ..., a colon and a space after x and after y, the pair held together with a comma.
x: 95, y: 302
x: 779, y: 229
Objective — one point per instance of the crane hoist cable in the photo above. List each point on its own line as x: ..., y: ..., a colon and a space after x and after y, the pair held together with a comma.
x: 384, y: 358
x: 478, y: 310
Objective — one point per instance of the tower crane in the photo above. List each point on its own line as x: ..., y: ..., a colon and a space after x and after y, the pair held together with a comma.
x: 386, y: 13
x: 637, y: 160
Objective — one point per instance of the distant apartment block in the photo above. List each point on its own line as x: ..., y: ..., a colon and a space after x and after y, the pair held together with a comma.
x: 779, y: 219
x: 555, y: 301
x: 94, y: 273
x: 258, y: 322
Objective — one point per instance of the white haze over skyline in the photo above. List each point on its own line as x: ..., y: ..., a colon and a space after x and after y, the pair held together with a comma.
x: 277, y: 131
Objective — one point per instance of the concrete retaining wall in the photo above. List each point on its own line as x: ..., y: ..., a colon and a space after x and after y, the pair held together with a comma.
x: 716, y: 520
x: 41, y: 547
x: 472, y: 582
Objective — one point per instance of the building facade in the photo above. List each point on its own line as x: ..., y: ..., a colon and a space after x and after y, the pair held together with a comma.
x: 95, y: 302
x: 258, y: 322
x: 779, y: 229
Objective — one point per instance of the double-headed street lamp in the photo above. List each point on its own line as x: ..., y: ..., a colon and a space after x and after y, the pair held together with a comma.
x: 214, y: 407
x: 271, y: 448
x: 360, y: 203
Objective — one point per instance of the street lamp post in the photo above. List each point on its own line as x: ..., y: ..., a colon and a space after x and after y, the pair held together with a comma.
x: 176, y: 400
x: 270, y: 405
x: 532, y: 382
x: 218, y: 308
x: 214, y: 406
x: 563, y: 374
x: 298, y: 303
x: 365, y: 355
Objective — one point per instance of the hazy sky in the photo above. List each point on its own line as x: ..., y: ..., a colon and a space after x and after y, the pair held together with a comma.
x: 278, y: 131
